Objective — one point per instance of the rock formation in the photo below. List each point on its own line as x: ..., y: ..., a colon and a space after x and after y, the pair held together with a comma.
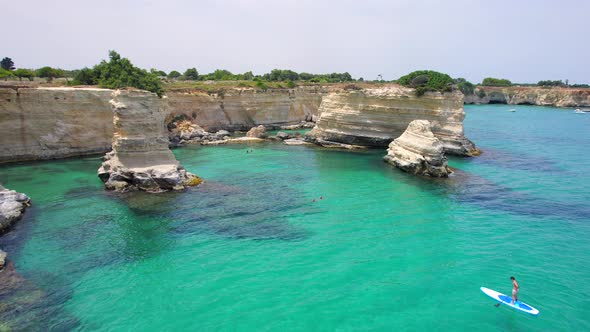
x: 375, y: 116
x: 257, y: 132
x: 12, y: 206
x: 515, y: 95
x: 418, y: 151
x: 141, y: 158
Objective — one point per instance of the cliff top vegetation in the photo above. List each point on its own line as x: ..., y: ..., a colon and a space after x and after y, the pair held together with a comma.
x: 490, y: 81
x: 427, y: 80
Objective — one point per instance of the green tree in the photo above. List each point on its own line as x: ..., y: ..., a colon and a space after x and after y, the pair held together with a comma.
x: 191, y: 74
x: 248, y: 76
x: 290, y: 84
x: 26, y: 73
x: 222, y: 75
x: 7, y: 64
x: 490, y: 81
x: 173, y: 74
x: 49, y: 73
x: 86, y: 76
x: 427, y: 80
x: 157, y: 72
x: 120, y: 73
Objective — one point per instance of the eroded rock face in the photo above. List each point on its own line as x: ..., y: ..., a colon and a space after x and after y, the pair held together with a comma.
x: 47, y: 123
x: 375, y: 116
x: 242, y: 108
x: 141, y: 158
x: 12, y: 206
x: 418, y: 151
x: 559, y: 97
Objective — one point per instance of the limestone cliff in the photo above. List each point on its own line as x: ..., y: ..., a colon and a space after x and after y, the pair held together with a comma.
x: 141, y: 158
x: 418, y: 151
x: 46, y: 123
x: 243, y: 108
x: 558, y: 97
x: 375, y: 116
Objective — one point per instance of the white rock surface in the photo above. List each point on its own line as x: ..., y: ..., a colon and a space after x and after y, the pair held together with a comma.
x: 12, y: 206
x: 375, y: 116
x: 418, y: 151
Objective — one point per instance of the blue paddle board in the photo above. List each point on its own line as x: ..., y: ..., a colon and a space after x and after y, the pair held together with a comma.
x: 507, y: 300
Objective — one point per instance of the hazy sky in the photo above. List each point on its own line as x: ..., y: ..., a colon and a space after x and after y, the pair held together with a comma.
x: 522, y: 40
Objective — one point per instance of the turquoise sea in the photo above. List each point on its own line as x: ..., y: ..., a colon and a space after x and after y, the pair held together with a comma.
x: 381, y: 250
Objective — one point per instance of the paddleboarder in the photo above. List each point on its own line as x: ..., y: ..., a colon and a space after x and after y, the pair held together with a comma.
x: 515, y: 288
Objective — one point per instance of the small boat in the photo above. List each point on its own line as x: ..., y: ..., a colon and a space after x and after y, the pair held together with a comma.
x: 582, y: 111
x: 512, y: 110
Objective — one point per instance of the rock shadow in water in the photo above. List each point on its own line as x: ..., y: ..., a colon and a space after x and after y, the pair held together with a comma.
x: 258, y: 213
x: 472, y: 189
x: 24, y: 306
x: 523, y: 162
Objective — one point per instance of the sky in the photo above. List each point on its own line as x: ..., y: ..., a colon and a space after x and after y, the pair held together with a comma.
x: 521, y: 40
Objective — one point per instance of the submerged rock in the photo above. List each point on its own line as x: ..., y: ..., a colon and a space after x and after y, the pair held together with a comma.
x: 418, y: 151
x: 283, y: 135
x: 257, y: 132
x: 141, y: 158
x: 12, y: 206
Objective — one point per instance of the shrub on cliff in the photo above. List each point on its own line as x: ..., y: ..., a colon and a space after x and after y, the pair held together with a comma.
x: 261, y: 85
x: 26, y: 73
x: 465, y: 86
x: 85, y: 76
x: 5, y: 74
x: 190, y: 74
x: 427, y: 80
x: 490, y: 81
x: 49, y: 73
x: 174, y: 74
x: 551, y: 83
x: 120, y: 73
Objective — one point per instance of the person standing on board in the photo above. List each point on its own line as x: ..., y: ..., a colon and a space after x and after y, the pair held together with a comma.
x: 515, y: 288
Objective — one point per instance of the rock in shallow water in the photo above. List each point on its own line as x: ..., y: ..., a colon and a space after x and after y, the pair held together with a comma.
x: 257, y: 132
x: 418, y: 151
x: 141, y: 158
x: 12, y: 206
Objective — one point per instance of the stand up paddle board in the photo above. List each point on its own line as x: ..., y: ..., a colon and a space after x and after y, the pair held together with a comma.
x: 507, y: 300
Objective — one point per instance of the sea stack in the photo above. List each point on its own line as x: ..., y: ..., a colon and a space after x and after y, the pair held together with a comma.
x: 418, y: 151
x: 141, y: 159
x: 12, y: 206
x: 375, y: 116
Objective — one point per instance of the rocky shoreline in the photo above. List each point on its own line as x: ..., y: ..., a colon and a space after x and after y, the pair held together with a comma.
x: 12, y: 207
